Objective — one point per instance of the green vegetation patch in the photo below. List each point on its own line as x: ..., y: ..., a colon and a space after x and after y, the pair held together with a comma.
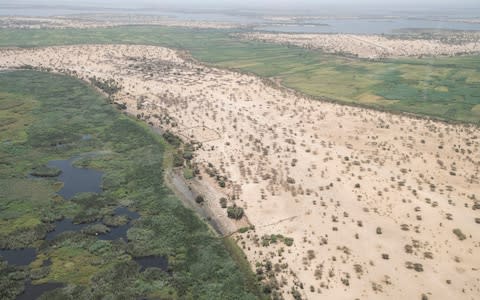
x: 21, y: 206
x: 274, y: 238
x: 44, y: 171
x: 235, y: 212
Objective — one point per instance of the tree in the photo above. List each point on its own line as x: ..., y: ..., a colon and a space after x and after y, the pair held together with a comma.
x: 223, y: 202
x: 199, y: 199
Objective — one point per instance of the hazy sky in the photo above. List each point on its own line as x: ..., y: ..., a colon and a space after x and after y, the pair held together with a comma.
x: 262, y: 3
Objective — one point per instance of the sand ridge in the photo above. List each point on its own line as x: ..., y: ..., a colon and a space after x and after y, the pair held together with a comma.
x: 370, y: 199
x: 370, y: 46
x: 104, y: 21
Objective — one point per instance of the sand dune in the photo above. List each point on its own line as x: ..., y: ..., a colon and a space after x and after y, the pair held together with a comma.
x: 369, y: 46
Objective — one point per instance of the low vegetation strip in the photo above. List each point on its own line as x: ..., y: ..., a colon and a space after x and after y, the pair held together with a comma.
x: 58, y: 117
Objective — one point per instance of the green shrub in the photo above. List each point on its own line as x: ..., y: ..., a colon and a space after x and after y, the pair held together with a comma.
x: 178, y: 160
x: 288, y: 241
x: 223, y: 202
x: 244, y: 229
x: 461, y: 236
x: 188, y: 155
x: 188, y: 173
x: 172, y: 139
x: 199, y: 199
x: 235, y: 212
x: 109, y: 86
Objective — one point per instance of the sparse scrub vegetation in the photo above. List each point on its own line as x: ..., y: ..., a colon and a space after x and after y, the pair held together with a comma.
x: 110, y: 86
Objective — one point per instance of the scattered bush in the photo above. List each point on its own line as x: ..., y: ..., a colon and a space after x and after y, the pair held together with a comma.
x: 109, y: 86
x: 199, y: 199
x: 172, y: 139
x: 288, y: 241
x: 188, y: 155
x: 178, y: 160
x: 223, y: 202
x: 235, y: 212
x: 460, y: 235
x: 296, y: 294
x: 244, y: 229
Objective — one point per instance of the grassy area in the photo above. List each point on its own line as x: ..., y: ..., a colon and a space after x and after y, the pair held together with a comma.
x: 446, y: 88
x: 243, y: 265
x: 45, y: 110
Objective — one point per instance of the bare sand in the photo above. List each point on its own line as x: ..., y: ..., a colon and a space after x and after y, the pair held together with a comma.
x: 371, y: 46
x: 370, y: 199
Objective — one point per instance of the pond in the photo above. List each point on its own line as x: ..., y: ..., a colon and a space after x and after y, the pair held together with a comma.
x: 34, y: 291
x: 19, y: 257
x: 76, y: 180
x: 152, y: 262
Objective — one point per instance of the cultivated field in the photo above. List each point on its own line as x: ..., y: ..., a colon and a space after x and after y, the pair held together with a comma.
x: 346, y: 202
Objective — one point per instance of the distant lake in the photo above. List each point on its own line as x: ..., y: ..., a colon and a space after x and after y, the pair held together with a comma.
x: 366, y: 26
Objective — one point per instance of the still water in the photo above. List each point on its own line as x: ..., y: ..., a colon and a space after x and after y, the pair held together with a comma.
x: 76, y: 180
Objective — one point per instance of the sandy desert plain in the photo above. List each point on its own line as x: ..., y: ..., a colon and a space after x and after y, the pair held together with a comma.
x: 343, y: 202
x: 340, y: 202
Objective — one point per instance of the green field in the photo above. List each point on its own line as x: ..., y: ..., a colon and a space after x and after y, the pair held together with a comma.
x: 39, y: 111
x: 445, y: 88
